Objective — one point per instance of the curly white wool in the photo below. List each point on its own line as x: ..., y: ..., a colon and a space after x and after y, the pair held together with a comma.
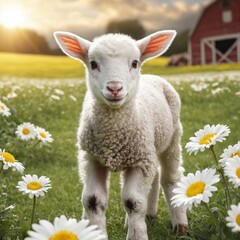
x: 127, y: 138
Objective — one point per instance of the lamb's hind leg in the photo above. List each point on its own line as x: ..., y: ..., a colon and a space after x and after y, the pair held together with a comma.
x: 135, y: 192
x: 95, y: 194
x: 153, y: 196
x: 170, y: 176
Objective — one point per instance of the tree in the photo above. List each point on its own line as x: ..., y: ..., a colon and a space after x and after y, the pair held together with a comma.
x: 179, y: 44
x: 131, y: 27
x: 23, y: 41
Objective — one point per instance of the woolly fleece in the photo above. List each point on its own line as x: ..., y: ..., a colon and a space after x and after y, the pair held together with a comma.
x: 134, y: 135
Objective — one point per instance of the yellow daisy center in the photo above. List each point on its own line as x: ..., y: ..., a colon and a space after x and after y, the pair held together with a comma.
x: 64, y: 235
x: 195, y: 189
x: 2, y: 107
x: 25, y: 131
x: 34, y: 186
x: 8, y: 157
x: 238, y: 219
x: 207, y: 138
x: 43, y: 135
x: 238, y: 172
x: 236, y: 154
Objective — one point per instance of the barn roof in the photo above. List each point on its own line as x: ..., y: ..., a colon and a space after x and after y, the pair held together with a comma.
x: 200, y: 16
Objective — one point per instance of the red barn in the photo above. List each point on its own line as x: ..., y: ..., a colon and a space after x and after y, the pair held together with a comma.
x: 216, y: 37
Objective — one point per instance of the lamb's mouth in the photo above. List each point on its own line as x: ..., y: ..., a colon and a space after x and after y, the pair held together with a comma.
x: 115, y: 99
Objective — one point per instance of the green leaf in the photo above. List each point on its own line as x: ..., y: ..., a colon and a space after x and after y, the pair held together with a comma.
x: 6, y: 210
x: 221, y: 209
x: 214, y: 237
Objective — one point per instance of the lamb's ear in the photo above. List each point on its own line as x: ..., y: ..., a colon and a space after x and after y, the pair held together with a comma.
x: 72, y: 45
x: 155, y: 44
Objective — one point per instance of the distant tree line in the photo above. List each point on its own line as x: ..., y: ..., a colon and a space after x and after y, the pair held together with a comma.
x: 20, y: 40
x: 28, y: 41
x: 131, y: 27
x: 135, y: 29
x: 179, y: 44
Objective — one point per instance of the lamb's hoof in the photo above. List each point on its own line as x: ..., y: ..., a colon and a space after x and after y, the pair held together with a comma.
x: 181, y: 229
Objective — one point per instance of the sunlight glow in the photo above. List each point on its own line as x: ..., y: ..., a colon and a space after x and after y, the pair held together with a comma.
x: 12, y: 16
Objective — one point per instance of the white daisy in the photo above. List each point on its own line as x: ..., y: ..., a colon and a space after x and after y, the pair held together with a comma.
x: 199, y: 87
x: 220, y: 90
x: 230, y: 153
x: 73, y: 98
x: 9, y: 161
x: 26, y: 131
x: 233, y: 218
x: 207, y: 137
x: 59, y: 92
x: 194, y: 189
x: 11, y: 95
x: 54, y: 97
x: 4, y: 110
x: 232, y: 171
x: 33, y: 185
x: 43, y: 135
x: 64, y: 228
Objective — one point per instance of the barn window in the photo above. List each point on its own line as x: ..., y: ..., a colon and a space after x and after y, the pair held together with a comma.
x: 227, y: 16
x: 225, y: 3
x: 224, y: 45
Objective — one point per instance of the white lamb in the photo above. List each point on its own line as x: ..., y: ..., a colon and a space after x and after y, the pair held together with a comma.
x: 130, y: 123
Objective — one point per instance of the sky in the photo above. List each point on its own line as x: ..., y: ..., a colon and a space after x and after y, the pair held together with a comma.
x: 89, y: 18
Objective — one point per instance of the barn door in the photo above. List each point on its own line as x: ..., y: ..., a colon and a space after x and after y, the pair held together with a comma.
x: 222, y: 49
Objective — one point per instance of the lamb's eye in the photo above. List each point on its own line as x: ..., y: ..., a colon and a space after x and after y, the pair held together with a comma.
x: 135, y: 64
x: 93, y: 65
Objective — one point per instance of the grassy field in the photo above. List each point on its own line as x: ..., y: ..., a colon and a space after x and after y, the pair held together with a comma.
x: 40, y: 66
x: 35, y: 80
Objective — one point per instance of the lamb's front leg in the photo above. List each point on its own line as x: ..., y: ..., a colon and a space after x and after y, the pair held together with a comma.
x: 135, y: 192
x: 95, y: 194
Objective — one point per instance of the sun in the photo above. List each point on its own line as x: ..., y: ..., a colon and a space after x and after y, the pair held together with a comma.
x: 12, y: 16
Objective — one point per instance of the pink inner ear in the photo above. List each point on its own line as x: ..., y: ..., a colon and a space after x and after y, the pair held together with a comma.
x: 72, y: 45
x: 155, y: 44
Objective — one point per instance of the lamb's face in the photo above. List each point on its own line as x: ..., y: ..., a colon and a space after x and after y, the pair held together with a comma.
x: 113, y: 61
x: 114, y: 69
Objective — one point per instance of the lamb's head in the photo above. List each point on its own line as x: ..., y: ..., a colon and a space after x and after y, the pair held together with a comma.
x: 113, y: 61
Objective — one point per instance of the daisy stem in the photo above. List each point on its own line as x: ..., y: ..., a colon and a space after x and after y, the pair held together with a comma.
x: 212, y: 216
x: 220, y: 170
x: 33, y: 210
x: 14, y: 146
x: 214, y: 221
x: 214, y: 155
x: 1, y: 169
x: 34, y: 144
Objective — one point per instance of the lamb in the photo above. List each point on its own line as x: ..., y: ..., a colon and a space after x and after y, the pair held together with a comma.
x: 129, y: 123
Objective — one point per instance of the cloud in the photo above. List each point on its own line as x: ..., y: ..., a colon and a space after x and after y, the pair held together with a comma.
x: 154, y: 15
x: 89, y: 18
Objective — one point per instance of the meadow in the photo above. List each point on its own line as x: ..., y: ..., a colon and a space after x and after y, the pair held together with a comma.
x: 49, y: 93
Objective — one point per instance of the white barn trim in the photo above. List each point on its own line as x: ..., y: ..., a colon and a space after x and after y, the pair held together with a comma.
x: 211, y: 43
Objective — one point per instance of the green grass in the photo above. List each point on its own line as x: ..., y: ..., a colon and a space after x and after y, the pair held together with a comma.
x: 159, y: 66
x: 41, y: 66
x: 58, y: 161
